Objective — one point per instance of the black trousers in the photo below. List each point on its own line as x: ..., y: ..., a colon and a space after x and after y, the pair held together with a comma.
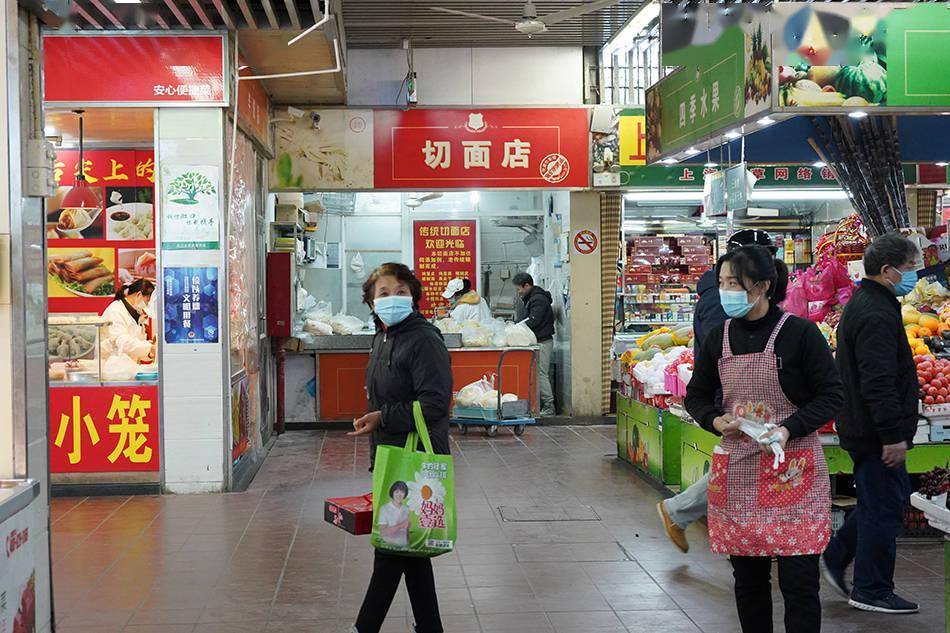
x: 798, y: 580
x: 388, y: 570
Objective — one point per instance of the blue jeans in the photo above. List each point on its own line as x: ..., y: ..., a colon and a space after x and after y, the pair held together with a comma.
x: 869, y: 534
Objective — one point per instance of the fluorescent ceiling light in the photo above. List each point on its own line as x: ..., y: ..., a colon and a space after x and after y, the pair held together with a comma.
x: 692, y: 150
x: 819, y: 164
x: 857, y: 114
x: 941, y: 164
x: 732, y: 134
x: 710, y: 165
x: 669, y: 161
x: 649, y: 11
x: 766, y: 121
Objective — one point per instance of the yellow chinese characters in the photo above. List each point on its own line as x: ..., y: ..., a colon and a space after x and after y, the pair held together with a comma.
x: 131, y: 429
x: 117, y: 173
x: 75, y: 424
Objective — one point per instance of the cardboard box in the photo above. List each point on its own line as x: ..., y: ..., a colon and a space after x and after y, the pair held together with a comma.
x: 353, y: 514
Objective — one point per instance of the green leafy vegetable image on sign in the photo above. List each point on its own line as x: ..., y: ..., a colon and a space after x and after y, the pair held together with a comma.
x: 190, y: 185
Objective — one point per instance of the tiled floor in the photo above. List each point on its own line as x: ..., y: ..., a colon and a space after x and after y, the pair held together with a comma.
x: 264, y: 560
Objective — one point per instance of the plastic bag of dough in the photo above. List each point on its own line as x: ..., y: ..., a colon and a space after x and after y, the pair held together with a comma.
x: 345, y: 324
x: 448, y: 326
x: 471, y: 394
x: 475, y: 335
x: 499, y: 337
x: 489, y: 400
x: 509, y: 397
x: 520, y: 335
x: 317, y: 328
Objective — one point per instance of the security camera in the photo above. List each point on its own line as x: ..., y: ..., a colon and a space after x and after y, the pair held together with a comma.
x: 295, y: 113
x: 315, y: 120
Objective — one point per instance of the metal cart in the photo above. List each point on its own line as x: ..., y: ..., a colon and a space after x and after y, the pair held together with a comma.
x: 518, y: 414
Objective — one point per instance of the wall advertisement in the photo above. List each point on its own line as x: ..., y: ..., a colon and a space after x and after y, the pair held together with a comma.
x: 17, y: 576
x: 443, y: 250
x: 191, y: 305
x: 191, y: 207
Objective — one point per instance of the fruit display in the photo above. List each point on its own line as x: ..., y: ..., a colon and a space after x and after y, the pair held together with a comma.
x: 933, y: 375
x: 935, y: 483
x: 758, y: 73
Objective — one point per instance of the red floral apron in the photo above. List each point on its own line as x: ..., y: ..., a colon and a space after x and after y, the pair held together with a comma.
x: 755, y: 510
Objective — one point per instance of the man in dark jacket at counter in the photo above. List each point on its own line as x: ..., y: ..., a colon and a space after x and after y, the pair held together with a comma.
x: 876, y: 426
x: 539, y: 316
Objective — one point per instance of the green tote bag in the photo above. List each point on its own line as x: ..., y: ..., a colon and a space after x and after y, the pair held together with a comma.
x: 413, y: 497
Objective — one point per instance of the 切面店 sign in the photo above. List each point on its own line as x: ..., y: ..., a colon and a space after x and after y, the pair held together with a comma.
x: 443, y: 250
x: 120, y: 70
x: 103, y: 429
x: 453, y: 149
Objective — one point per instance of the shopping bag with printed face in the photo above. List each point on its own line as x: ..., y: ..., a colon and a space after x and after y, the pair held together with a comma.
x: 413, y: 497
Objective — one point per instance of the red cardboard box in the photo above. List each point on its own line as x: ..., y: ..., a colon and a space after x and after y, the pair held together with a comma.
x: 353, y: 514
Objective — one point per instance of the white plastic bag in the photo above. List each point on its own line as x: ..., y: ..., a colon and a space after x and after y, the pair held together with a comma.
x: 449, y: 326
x: 475, y: 335
x: 119, y: 368
x: 356, y: 264
x: 470, y: 395
x: 317, y: 328
x: 499, y: 336
x: 520, y: 335
x: 345, y: 324
x: 489, y: 400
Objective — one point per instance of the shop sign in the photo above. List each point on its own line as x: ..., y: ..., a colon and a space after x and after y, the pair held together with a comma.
x: 108, y: 246
x: 691, y: 176
x: 104, y: 429
x: 323, y: 150
x: 725, y: 75
x: 894, y: 54
x: 191, y: 207
x: 17, y: 575
x: 619, y: 143
x: 191, y: 305
x: 465, y: 149
x: 135, y: 70
x: 443, y: 250
x: 254, y: 109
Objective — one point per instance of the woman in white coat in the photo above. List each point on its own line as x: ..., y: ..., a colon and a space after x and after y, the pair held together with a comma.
x: 466, y: 304
x: 127, y: 315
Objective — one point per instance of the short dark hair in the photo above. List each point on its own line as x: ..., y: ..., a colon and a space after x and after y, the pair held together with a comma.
x: 399, y: 485
x: 890, y: 249
x: 754, y: 263
x: 522, y: 279
x: 392, y: 269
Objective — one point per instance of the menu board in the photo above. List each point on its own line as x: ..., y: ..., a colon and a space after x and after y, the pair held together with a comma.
x: 94, y: 251
x: 443, y: 250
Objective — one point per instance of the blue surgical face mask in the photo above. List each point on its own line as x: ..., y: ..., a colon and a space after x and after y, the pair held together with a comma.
x: 392, y: 310
x: 907, y: 283
x: 735, y: 303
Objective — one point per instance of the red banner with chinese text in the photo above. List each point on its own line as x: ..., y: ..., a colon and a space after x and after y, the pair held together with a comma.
x: 466, y: 149
x: 443, y: 250
x: 155, y: 69
x: 254, y: 108
x: 119, y: 234
x: 103, y: 429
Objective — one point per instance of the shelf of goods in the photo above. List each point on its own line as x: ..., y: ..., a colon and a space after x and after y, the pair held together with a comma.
x: 660, y: 276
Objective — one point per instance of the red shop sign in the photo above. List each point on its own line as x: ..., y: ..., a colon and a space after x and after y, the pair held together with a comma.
x: 133, y: 69
x: 254, y: 108
x: 103, y: 429
x: 443, y: 250
x: 463, y: 149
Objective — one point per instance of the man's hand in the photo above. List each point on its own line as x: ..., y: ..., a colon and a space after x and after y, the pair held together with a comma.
x: 366, y: 424
x: 727, y: 426
x: 893, y: 455
x: 783, y: 434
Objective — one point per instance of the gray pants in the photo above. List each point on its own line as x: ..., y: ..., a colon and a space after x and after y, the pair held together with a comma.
x: 544, y: 378
x: 689, y: 506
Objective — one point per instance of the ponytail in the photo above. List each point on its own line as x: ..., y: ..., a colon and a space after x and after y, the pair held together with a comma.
x: 144, y: 286
x: 753, y: 264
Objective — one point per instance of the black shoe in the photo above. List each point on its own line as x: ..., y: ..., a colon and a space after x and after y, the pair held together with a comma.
x: 891, y: 604
x: 835, y: 578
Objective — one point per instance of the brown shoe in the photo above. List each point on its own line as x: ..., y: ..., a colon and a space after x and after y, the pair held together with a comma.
x: 675, y: 532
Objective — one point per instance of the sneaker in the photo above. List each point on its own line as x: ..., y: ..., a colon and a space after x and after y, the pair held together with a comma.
x: 675, y: 532
x: 835, y: 578
x: 891, y: 604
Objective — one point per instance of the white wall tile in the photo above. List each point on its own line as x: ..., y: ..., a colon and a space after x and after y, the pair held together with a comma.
x: 192, y: 374
x: 193, y: 418
x: 192, y: 461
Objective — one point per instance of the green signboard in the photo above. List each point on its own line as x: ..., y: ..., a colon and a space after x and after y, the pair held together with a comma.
x: 691, y: 176
x: 724, y: 75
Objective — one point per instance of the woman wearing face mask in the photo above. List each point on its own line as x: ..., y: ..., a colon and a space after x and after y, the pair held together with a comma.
x: 408, y: 362
x: 128, y: 315
x: 775, y: 368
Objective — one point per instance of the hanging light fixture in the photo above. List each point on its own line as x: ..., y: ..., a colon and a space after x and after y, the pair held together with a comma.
x: 81, y: 196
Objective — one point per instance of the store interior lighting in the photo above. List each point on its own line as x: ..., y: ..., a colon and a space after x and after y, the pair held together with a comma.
x: 819, y: 164
x: 857, y: 114
x: 941, y: 164
x: 766, y: 121
x: 732, y: 135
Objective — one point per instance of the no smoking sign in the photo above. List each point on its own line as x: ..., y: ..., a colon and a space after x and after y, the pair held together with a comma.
x: 585, y: 242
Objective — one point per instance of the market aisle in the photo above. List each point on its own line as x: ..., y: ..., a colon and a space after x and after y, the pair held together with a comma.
x: 264, y: 560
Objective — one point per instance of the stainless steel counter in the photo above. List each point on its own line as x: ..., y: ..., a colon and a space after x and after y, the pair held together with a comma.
x: 16, y: 494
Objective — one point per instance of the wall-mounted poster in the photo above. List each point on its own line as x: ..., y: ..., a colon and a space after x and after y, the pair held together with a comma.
x: 443, y: 250
x: 191, y: 217
x: 191, y: 305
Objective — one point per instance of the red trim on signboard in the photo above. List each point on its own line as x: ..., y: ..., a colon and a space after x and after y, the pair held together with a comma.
x: 466, y: 149
x: 134, y: 69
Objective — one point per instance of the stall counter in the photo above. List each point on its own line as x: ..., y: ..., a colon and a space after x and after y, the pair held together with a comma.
x: 340, y: 367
